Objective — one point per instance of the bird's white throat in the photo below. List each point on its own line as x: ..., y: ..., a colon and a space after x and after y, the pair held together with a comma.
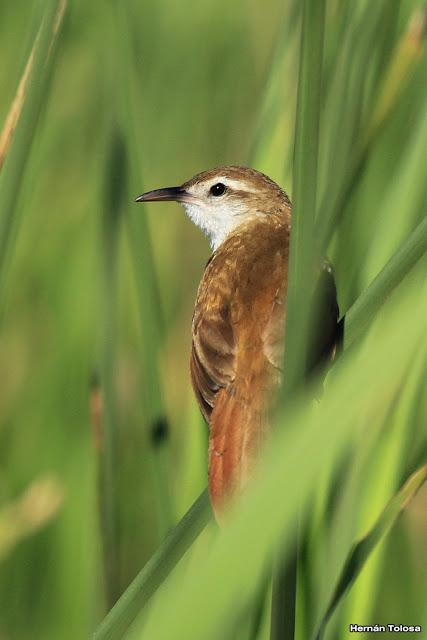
x: 216, y: 222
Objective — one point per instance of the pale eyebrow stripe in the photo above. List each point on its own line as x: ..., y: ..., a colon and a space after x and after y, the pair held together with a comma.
x: 239, y: 185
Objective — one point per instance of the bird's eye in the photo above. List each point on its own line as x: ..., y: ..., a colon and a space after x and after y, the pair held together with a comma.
x: 217, y: 189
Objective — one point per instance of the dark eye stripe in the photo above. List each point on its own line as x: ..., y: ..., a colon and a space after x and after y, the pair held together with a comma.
x: 217, y: 189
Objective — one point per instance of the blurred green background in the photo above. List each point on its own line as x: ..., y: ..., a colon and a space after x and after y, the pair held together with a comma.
x: 144, y: 95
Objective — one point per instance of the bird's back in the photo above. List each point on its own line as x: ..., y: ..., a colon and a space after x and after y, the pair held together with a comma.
x: 237, y: 347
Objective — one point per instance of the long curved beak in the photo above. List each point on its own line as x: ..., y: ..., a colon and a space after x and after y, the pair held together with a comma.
x: 176, y: 194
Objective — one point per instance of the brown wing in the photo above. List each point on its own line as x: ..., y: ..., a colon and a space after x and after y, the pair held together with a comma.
x: 212, y: 361
x: 212, y: 366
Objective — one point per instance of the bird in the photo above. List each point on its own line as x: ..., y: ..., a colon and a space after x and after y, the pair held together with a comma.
x: 238, y: 323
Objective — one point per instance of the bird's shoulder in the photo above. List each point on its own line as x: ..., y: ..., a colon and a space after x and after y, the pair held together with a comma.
x: 251, y: 258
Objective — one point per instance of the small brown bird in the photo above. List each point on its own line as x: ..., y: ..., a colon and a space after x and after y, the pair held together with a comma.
x: 239, y: 316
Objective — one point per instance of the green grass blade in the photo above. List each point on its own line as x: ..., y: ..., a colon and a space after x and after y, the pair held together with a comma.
x: 152, y: 325
x: 345, y: 91
x: 403, y: 63
x: 301, y: 258
x: 151, y: 321
x: 362, y: 549
x: 156, y: 570
x: 114, y: 187
x: 366, y: 306
x: 36, y: 92
x: 278, y: 104
x: 337, y: 194
x: 301, y: 262
x: 14, y: 112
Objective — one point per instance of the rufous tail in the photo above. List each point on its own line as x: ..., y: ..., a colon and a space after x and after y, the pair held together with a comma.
x: 237, y: 432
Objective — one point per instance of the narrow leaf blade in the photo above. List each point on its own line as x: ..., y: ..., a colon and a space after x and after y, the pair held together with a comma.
x: 362, y: 549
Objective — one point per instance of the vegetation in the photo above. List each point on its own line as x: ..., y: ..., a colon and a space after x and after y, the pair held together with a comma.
x: 102, y: 449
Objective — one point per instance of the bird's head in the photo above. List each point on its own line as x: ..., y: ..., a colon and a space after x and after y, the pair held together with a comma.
x: 220, y: 200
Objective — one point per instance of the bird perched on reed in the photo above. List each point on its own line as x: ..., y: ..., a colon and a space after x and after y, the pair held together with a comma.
x: 239, y: 316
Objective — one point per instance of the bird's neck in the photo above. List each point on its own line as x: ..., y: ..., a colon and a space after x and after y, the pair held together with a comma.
x: 251, y: 243
x: 219, y: 228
